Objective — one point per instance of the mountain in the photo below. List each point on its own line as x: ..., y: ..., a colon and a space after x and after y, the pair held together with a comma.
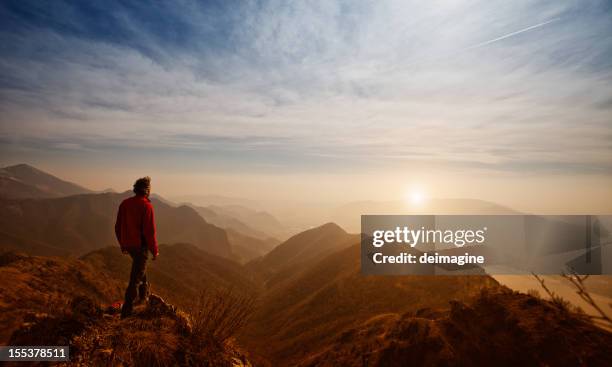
x: 207, y: 200
x: 157, y: 334
x: 494, y: 328
x: 161, y: 199
x: 71, y: 228
x: 24, y: 181
x: 247, y: 243
x: 246, y: 248
x: 227, y: 221
x: 81, y: 223
x: 349, y: 215
x: 183, y: 224
x: 261, y: 221
x: 311, y: 306
x: 40, y: 284
x: 300, y: 250
x: 65, y: 301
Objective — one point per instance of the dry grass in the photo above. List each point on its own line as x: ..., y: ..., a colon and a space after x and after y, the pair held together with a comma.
x: 219, y: 313
x: 534, y: 293
x: 307, y: 310
x: 145, y: 343
x: 39, y: 285
x: 498, y: 327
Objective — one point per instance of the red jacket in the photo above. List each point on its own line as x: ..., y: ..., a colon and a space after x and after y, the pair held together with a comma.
x: 135, y: 226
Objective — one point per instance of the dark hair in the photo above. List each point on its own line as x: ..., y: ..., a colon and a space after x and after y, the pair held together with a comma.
x: 142, y: 185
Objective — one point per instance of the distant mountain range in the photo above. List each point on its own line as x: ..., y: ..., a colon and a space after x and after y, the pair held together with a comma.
x: 74, y: 225
x: 216, y: 200
x: 220, y: 217
x: 349, y: 215
x: 24, y: 181
x: 45, y: 215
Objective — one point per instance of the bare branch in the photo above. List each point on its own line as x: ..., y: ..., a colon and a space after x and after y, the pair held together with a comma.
x: 577, y: 281
x: 555, y: 298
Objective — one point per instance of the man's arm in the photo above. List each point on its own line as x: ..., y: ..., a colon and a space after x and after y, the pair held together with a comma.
x: 149, y: 231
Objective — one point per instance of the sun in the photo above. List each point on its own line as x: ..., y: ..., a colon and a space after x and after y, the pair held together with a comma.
x: 415, y: 196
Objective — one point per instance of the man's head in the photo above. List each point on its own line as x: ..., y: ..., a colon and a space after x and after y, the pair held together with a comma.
x: 142, y: 186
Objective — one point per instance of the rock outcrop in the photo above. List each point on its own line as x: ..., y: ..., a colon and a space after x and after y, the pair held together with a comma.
x: 158, y: 334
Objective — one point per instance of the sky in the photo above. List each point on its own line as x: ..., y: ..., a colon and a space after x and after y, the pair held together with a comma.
x: 507, y: 101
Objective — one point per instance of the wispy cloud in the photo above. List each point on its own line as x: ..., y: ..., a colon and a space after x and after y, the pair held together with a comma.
x: 292, y: 83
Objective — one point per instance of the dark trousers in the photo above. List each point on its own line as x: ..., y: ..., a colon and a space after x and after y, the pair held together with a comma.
x: 138, y: 285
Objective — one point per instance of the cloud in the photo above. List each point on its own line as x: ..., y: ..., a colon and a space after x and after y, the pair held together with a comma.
x: 301, y: 85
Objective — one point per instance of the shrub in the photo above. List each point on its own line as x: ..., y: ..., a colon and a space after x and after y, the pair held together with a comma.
x: 219, y: 313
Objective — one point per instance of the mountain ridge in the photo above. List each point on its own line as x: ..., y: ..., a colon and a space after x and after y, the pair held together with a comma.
x: 300, y: 249
x: 25, y: 181
x: 80, y: 223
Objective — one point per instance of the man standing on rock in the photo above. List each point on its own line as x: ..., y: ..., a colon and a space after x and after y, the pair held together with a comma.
x: 135, y: 231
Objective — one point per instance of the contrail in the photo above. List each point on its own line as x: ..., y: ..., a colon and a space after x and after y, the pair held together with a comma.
x: 461, y: 50
x: 512, y: 34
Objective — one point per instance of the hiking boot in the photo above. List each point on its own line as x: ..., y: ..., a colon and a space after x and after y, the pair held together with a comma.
x: 126, y: 310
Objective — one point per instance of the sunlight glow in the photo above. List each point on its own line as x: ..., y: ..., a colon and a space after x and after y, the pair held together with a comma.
x: 415, y: 196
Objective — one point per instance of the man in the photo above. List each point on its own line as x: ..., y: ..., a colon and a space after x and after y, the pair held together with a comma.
x: 135, y: 231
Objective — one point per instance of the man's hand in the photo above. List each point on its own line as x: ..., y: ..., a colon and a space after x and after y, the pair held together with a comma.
x: 124, y: 251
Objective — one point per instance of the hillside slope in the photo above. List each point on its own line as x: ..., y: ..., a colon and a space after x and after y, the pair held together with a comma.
x: 246, y: 248
x: 34, y: 284
x: 180, y: 272
x: 158, y: 334
x: 300, y: 251
x: 496, y: 328
x: 302, y: 313
x: 38, y: 284
x: 24, y: 181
